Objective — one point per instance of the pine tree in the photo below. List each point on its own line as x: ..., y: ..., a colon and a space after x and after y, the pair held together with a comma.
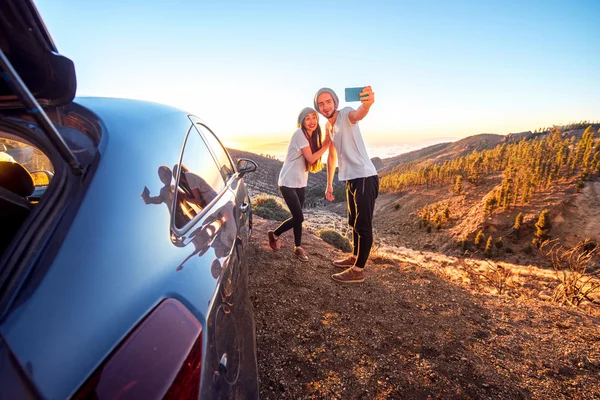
x: 447, y: 212
x: 543, y: 226
x: 479, y: 238
x: 489, y: 245
x: 489, y: 205
x: 518, y: 223
x: 437, y: 222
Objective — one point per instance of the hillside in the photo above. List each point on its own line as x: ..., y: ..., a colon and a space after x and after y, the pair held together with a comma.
x: 422, y: 325
x: 444, y: 151
x: 441, y: 152
x: 264, y: 180
x: 433, y: 320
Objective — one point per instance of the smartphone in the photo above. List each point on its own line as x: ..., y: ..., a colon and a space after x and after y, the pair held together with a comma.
x: 352, y: 94
x: 146, y: 192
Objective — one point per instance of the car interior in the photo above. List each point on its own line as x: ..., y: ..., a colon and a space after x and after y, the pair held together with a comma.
x: 20, y: 190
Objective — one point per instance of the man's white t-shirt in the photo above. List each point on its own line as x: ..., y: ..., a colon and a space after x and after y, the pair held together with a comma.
x: 293, y: 173
x: 353, y: 160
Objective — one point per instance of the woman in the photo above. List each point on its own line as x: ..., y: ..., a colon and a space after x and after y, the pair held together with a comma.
x: 303, y: 155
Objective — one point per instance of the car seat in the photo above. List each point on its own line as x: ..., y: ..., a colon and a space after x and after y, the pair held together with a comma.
x: 16, y: 184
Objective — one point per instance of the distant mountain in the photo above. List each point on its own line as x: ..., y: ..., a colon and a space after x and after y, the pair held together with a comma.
x: 444, y: 151
x: 441, y: 152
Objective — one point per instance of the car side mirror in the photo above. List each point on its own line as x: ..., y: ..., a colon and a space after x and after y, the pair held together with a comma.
x: 246, y: 165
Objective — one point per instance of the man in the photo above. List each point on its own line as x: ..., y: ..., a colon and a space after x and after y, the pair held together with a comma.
x: 356, y: 168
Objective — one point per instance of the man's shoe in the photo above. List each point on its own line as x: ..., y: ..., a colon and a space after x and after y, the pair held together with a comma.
x: 345, y: 263
x: 300, y: 253
x: 349, y: 276
x: 273, y: 241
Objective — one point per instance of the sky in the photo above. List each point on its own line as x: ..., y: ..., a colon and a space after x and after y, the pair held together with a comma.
x: 440, y: 70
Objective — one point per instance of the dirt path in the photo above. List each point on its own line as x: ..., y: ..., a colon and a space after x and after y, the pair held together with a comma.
x: 406, y: 333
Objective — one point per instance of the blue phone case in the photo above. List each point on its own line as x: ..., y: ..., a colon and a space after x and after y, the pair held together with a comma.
x: 352, y: 94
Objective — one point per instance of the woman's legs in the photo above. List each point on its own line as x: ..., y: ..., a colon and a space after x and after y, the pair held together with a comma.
x: 294, y: 198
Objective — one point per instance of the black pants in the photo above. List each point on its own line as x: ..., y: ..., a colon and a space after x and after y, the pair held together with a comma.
x: 294, y: 198
x: 361, y: 194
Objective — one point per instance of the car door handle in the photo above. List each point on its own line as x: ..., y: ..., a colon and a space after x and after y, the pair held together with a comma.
x: 244, y: 207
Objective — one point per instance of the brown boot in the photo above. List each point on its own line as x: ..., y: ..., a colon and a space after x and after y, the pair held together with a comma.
x: 273, y: 241
x: 349, y: 276
x: 345, y: 263
x: 300, y: 253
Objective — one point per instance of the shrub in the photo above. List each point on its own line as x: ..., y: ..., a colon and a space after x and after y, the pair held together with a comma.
x: 499, y: 243
x: 575, y: 270
x: 495, y: 274
x: 397, y: 206
x: 335, y: 239
x: 270, y: 207
x: 464, y: 243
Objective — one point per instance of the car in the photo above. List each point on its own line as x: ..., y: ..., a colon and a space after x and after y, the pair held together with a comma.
x: 124, y: 231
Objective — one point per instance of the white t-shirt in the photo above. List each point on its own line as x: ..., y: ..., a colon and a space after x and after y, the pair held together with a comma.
x: 353, y: 160
x: 293, y: 173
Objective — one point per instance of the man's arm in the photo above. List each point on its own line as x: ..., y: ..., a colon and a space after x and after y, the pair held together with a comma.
x: 331, y: 164
x: 367, y: 97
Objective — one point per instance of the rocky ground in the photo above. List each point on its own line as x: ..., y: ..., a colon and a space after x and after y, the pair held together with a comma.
x: 422, y: 325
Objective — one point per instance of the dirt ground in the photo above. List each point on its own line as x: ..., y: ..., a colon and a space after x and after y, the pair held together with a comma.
x: 419, y: 327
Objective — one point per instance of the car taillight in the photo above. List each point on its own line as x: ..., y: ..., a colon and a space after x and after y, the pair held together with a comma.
x: 161, y: 358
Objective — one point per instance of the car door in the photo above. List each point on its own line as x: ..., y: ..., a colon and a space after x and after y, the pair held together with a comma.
x: 211, y: 199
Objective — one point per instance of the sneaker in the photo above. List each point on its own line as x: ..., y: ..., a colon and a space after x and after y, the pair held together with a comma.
x: 345, y: 263
x: 300, y: 253
x: 273, y: 241
x: 349, y: 275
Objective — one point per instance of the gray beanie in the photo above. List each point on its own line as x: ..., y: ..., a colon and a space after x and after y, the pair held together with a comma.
x: 326, y: 90
x: 305, y: 111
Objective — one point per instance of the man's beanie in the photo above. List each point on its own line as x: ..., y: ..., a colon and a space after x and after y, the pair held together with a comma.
x: 305, y: 111
x: 326, y: 90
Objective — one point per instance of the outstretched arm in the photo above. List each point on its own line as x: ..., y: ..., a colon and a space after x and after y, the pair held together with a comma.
x: 367, y: 97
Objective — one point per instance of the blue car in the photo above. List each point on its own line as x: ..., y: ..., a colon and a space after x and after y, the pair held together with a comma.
x: 124, y: 227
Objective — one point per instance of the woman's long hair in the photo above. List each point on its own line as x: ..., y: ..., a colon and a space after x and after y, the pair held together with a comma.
x: 316, y: 143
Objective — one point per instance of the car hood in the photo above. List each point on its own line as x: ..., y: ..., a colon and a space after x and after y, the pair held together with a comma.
x: 26, y: 43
